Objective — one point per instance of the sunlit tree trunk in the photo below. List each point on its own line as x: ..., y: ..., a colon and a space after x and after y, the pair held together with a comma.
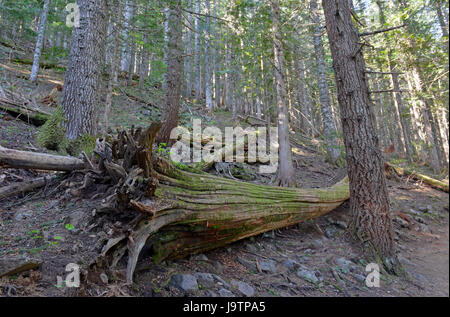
x: 208, y: 90
x: 198, y: 77
x: 285, y: 168
x: 369, y: 201
x: 329, y: 129
x: 174, y: 72
x: 39, y: 41
x: 82, y: 84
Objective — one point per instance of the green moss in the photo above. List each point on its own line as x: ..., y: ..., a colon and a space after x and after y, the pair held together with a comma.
x: 84, y: 143
x: 52, y: 134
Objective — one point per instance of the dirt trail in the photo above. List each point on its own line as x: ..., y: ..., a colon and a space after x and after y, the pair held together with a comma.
x: 429, y: 263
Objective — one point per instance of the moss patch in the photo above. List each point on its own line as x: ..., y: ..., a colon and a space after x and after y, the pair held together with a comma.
x: 52, y: 135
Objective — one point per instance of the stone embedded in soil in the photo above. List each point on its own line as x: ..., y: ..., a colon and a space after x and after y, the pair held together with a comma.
x: 424, y: 228
x: 401, y: 222
x: 184, y: 282
x: 205, y: 279
x: 75, y: 218
x: 23, y: 214
x: 360, y: 277
x: 223, y: 292
x: 10, y: 266
x: 307, y: 274
x: 210, y: 293
x: 244, y: 288
x: 218, y: 267
x: 419, y: 219
x: 249, y: 265
x: 345, y: 265
x: 291, y: 264
x: 200, y: 257
x: 268, y: 266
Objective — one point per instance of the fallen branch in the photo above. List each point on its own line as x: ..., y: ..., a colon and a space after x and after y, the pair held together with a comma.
x: 426, y: 179
x: 41, y: 161
x: 25, y: 186
x: 25, y: 113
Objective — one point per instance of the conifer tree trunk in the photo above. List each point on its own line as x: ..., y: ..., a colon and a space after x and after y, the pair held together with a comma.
x: 39, y: 41
x: 369, y: 201
x: 208, y: 90
x: 198, y: 80
x: 82, y: 84
x: 285, y: 168
x: 187, y: 59
x: 329, y: 129
x: 174, y: 72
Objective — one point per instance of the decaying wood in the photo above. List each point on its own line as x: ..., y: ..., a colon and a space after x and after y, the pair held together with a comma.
x: 24, y: 112
x: 41, y: 161
x: 426, y: 179
x: 25, y: 186
x: 176, y: 212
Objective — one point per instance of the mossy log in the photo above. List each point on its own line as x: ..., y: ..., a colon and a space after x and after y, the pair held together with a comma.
x: 42, y: 64
x: 184, y: 212
x: 25, y: 113
x: 426, y: 179
x: 177, y: 212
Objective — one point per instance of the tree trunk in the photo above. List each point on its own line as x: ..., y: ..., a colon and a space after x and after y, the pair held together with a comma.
x: 40, y: 41
x: 112, y: 80
x: 285, y: 168
x: 216, y: 60
x: 82, y: 84
x: 188, y: 58
x: 125, y: 36
x: 174, y: 72
x: 208, y: 88
x: 369, y: 201
x: 198, y: 77
x: 329, y: 129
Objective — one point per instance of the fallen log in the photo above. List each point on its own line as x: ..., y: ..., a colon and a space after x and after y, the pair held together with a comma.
x: 42, y: 161
x: 42, y: 64
x: 23, y: 187
x: 25, y: 113
x: 175, y: 212
x: 426, y: 179
x: 183, y: 213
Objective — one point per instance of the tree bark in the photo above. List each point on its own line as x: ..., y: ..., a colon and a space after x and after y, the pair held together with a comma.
x: 82, y: 84
x: 329, y: 129
x: 174, y: 72
x: 208, y: 88
x: 112, y: 81
x: 285, y: 168
x: 40, y: 41
x: 198, y: 77
x: 369, y: 201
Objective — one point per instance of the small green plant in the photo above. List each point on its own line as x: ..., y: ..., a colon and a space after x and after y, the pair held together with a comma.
x: 69, y: 226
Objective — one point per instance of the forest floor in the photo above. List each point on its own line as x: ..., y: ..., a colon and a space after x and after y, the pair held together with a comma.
x: 51, y: 229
